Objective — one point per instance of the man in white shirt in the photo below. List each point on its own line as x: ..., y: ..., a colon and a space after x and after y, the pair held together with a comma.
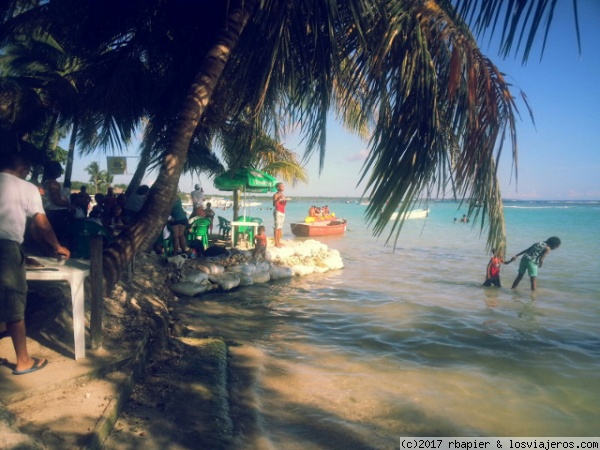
x: 197, y: 199
x: 19, y: 200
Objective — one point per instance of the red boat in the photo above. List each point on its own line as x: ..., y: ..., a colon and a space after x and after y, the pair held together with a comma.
x: 319, y: 228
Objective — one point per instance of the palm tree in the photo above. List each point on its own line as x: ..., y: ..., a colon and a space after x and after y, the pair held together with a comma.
x: 31, y: 61
x: 244, y: 144
x: 21, y: 108
x: 152, y: 150
x: 408, y: 70
x: 99, y: 178
x: 62, y: 81
x: 93, y: 170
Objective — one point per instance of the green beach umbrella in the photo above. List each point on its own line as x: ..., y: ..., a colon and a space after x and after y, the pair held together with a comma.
x: 245, y: 179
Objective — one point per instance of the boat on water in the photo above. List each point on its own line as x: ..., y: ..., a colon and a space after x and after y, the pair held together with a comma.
x: 319, y: 227
x: 219, y: 202
x: 420, y: 213
x: 249, y: 204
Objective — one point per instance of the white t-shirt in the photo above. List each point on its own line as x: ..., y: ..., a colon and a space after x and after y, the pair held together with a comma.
x: 197, y: 198
x: 19, y: 199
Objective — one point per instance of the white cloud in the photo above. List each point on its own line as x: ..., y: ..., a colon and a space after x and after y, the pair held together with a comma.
x: 358, y: 156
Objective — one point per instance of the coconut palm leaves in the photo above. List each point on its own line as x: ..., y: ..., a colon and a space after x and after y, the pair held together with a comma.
x: 520, y: 21
x: 245, y: 145
x: 410, y: 71
x: 407, y: 70
x: 99, y: 178
x: 73, y: 92
x: 441, y: 110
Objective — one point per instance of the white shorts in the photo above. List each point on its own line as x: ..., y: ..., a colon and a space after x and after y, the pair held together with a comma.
x: 279, y: 218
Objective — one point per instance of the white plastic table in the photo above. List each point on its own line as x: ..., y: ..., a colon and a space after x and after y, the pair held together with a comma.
x: 73, y: 272
x: 235, y: 232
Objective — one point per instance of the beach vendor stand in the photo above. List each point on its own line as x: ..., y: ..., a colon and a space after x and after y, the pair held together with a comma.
x: 246, y: 180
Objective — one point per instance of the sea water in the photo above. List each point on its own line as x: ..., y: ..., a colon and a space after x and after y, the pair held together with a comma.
x: 406, y: 341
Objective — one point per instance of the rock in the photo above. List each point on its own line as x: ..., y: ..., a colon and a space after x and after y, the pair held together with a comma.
x: 280, y: 272
x: 210, y: 268
x: 262, y: 266
x: 334, y: 260
x: 189, y: 289
x: 245, y: 269
x: 246, y: 280
x: 176, y: 261
x: 196, y: 277
x: 281, y: 253
x: 261, y: 277
x: 301, y: 270
x: 226, y: 281
x: 238, y: 268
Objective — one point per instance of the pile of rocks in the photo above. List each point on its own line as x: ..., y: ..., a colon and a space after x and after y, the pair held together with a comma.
x: 237, y: 267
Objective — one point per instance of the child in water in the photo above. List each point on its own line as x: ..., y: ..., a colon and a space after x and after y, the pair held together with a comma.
x: 534, y: 258
x: 492, y: 276
x: 260, y: 243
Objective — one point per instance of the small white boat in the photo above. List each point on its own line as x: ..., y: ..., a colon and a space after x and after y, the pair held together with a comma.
x: 219, y: 202
x: 249, y: 204
x: 420, y: 213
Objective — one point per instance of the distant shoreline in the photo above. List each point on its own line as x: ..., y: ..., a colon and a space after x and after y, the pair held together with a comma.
x: 264, y: 198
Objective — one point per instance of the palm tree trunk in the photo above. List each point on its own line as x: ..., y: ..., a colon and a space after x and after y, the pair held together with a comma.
x: 51, y: 131
x: 71, y: 152
x: 156, y: 209
x: 236, y: 204
x: 139, y: 173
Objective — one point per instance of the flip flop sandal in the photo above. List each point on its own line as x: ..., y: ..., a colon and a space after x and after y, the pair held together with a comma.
x: 36, y: 366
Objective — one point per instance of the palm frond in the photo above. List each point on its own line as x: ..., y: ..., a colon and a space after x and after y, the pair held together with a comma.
x: 520, y: 21
x: 441, y: 112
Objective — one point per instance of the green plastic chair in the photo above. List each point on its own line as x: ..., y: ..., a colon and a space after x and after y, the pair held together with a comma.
x: 248, y: 231
x: 224, y: 227
x: 168, y: 249
x: 251, y: 230
x: 199, y: 231
x: 80, y: 232
x: 166, y: 244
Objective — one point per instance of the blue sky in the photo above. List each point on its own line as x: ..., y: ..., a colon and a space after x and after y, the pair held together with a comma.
x: 559, y: 157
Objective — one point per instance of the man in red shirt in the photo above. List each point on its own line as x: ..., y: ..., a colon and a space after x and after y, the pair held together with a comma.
x: 279, y: 203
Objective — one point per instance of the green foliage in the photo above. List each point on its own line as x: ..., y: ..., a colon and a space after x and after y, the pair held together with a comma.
x: 119, y: 187
x: 100, y: 179
x: 406, y: 73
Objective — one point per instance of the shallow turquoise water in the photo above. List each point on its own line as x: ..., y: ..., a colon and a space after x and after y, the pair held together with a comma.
x: 407, y: 341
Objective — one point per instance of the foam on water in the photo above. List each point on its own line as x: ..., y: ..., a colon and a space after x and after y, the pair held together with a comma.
x: 408, y: 342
